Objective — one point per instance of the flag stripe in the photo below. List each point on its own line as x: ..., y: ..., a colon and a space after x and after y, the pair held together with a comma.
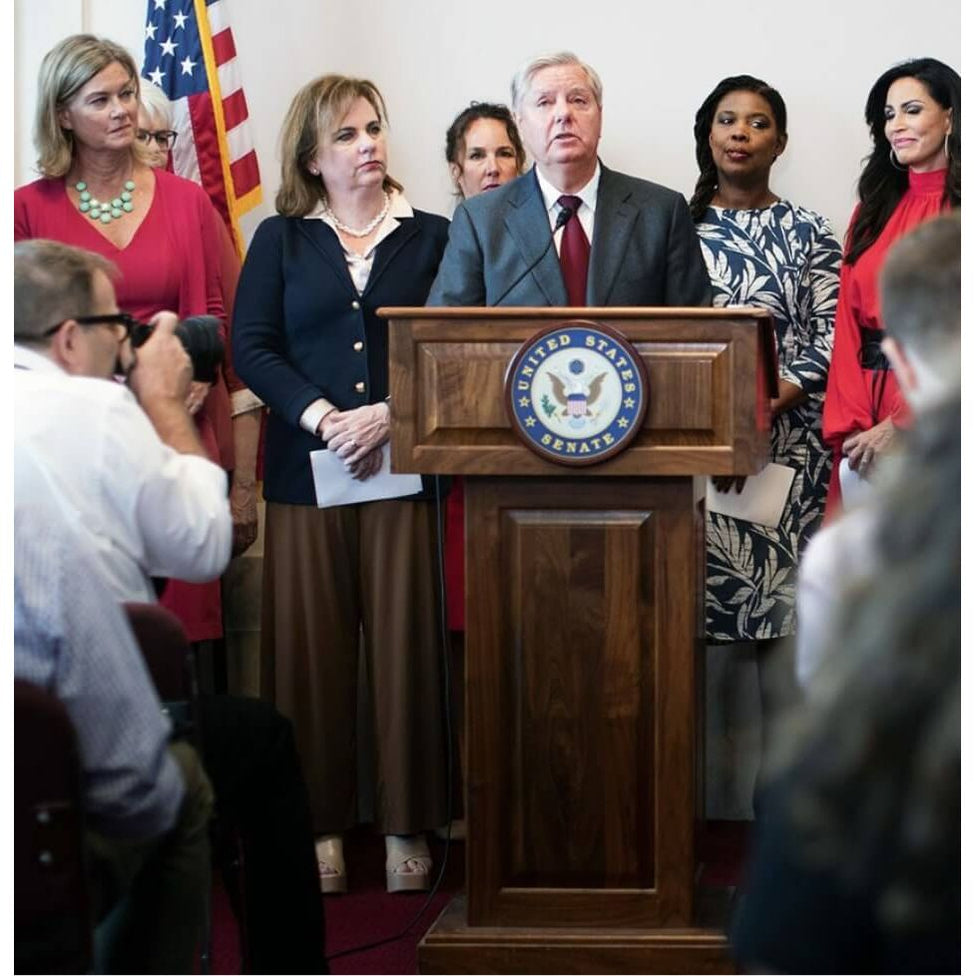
x: 245, y: 173
x: 239, y: 142
x: 216, y: 102
x: 208, y: 151
x: 191, y: 53
x: 217, y: 15
x: 223, y: 46
x: 235, y: 109
x: 229, y: 77
x: 185, y: 161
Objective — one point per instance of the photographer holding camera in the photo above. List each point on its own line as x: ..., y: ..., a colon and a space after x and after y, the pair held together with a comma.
x: 98, y: 191
x: 125, y: 463
x: 160, y: 507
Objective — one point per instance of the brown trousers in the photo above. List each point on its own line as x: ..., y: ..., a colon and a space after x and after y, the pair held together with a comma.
x: 328, y: 572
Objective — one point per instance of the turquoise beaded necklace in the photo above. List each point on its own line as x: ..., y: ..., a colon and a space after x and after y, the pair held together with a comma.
x: 111, y: 209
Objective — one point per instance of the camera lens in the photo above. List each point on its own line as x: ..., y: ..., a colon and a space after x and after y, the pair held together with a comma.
x: 200, y: 335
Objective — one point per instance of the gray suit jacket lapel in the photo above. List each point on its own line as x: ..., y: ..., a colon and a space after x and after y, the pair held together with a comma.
x: 615, y: 219
x: 528, y: 223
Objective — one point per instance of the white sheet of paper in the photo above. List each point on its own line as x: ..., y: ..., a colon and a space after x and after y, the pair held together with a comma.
x: 762, y: 499
x: 853, y: 488
x: 334, y: 485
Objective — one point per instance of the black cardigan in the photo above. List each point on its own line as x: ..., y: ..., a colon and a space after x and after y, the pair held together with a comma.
x: 298, y: 320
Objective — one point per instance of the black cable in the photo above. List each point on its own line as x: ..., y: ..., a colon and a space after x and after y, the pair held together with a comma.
x: 445, y: 652
x: 561, y: 220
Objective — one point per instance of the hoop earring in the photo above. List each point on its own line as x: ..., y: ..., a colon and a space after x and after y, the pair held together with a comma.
x: 945, y: 149
x: 894, y: 161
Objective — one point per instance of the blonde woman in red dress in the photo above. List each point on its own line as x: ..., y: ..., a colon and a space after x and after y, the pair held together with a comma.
x: 98, y: 192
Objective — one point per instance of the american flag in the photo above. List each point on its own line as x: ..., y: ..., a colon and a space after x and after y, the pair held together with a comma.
x: 190, y: 54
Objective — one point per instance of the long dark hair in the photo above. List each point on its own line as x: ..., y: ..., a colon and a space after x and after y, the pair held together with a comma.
x: 708, y: 179
x: 882, y: 185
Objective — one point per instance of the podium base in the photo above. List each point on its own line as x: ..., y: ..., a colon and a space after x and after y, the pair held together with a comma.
x: 452, y: 946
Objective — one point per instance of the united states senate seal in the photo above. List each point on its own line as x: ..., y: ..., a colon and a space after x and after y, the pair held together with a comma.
x: 576, y: 393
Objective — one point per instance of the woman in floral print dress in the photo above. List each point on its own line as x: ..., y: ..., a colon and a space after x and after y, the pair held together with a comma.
x: 764, y: 251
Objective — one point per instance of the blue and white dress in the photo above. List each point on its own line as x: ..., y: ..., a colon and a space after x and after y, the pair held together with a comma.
x: 783, y: 258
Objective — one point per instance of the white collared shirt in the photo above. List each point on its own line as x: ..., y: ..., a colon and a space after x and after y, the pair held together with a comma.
x: 587, y: 208
x: 148, y: 509
x: 360, y: 265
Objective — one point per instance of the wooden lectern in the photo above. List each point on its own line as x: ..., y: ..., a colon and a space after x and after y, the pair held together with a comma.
x: 584, y: 627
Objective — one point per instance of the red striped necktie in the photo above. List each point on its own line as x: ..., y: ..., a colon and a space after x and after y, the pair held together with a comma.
x: 574, y: 252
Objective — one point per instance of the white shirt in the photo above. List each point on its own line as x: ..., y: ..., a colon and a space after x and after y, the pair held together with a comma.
x: 586, y: 211
x: 840, y: 556
x: 72, y: 639
x: 149, y: 510
x: 360, y: 266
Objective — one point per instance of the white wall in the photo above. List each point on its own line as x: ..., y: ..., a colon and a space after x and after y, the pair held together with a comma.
x: 657, y: 61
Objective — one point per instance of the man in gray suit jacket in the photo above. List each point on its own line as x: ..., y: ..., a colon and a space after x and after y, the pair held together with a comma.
x: 640, y: 243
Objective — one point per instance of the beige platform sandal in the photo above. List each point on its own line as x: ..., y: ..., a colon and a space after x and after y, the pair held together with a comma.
x: 408, y: 863
x: 332, y: 865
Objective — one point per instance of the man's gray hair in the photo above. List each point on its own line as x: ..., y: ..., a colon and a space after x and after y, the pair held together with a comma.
x: 52, y: 283
x: 523, y: 77
x: 920, y: 288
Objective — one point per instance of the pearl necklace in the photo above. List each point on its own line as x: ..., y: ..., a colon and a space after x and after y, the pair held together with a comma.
x: 111, y: 209
x: 359, y: 231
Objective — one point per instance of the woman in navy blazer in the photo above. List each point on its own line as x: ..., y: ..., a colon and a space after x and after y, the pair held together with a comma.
x: 307, y: 340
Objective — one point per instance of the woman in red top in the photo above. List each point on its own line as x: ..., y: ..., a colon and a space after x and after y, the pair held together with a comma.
x: 913, y: 173
x: 98, y: 192
x: 233, y: 410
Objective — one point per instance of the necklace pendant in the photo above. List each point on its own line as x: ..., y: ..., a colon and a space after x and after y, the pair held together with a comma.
x: 360, y: 231
x: 108, y: 210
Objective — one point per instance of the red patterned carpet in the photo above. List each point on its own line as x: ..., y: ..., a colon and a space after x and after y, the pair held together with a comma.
x: 368, y: 914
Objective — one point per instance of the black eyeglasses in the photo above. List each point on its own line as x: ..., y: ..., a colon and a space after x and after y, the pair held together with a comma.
x: 116, y: 318
x: 165, y: 138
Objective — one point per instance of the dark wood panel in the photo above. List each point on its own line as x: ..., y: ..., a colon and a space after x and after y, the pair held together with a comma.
x: 447, y: 382
x: 452, y: 946
x: 583, y: 606
x: 461, y: 386
x: 663, y: 459
x: 581, y: 601
x: 582, y: 671
x: 687, y: 386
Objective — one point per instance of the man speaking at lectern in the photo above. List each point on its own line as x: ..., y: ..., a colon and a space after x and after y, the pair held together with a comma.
x: 570, y: 231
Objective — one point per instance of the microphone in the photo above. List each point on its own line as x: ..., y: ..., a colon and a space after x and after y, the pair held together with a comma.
x: 561, y: 220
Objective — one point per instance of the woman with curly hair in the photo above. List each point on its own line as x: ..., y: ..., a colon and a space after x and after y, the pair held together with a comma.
x: 764, y: 251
